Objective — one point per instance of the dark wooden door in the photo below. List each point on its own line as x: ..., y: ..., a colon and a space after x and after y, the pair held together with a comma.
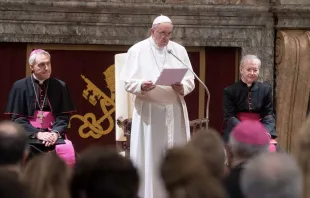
x: 221, y: 71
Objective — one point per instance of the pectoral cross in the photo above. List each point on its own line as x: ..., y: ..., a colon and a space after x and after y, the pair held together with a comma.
x: 40, y: 116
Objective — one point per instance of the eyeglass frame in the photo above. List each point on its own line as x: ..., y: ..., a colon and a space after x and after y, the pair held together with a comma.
x: 163, y: 34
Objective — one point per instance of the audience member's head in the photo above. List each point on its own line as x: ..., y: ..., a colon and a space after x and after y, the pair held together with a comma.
x: 47, y: 175
x: 102, y: 172
x: 247, y: 139
x: 13, y: 144
x: 185, y: 175
x: 272, y: 175
x: 212, y: 148
x: 10, y: 186
x: 301, y: 151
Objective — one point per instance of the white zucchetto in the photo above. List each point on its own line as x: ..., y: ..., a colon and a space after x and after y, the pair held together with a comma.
x: 161, y: 19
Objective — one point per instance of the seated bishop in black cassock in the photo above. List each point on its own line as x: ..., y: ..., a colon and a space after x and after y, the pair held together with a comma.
x: 42, y: 105
x: 249, y: 99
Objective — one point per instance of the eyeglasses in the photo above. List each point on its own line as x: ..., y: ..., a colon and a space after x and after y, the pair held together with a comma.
x: 164, y: 34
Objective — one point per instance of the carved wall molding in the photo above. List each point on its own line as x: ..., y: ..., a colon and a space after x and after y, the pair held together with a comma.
x: 292, y: 83
x: 160, y: 2
x: 292, y: 16
x: 233, y: 23
x: 220, y: 2
x: 295, y: 2
x: 113, y: 23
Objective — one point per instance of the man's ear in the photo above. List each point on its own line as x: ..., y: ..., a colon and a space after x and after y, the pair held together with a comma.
x: 152, y: 30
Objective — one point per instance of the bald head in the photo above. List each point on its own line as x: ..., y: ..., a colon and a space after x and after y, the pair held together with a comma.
x: 275, y: 175
x: 13, y: 143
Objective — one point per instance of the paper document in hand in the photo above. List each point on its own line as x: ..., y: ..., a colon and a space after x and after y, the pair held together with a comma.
x: 171, y: 76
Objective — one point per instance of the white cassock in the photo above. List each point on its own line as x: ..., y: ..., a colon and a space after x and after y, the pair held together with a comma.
x: 160, y: 118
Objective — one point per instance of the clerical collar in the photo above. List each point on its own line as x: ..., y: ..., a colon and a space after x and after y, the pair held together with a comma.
x: 247, y: 84
x: 155, y: 45
x: 37, y: 80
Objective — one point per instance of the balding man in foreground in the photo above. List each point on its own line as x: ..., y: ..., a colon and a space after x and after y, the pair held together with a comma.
x: 273, y: 175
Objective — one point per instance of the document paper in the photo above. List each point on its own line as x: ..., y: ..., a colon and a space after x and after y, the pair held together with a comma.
x: 171, y: 76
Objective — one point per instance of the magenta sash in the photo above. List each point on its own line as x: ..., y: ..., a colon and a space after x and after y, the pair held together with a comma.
x: 248, y: 116
x: 47, y: 121
x: 64, y: 151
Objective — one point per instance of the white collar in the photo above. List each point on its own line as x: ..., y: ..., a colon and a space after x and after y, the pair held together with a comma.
x: 40, y: 81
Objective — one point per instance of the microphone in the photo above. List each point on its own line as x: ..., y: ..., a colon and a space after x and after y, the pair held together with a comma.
x: 206, y: 88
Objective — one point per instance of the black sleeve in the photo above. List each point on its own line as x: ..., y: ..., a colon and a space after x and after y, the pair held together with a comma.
x: 25, y: 123
x: 60, y: 98
x: 61, y: 123
x: 67, y: 106
x: 228, y: 105
x: 17, y: 100
x: 270, y: 124
x: 268, y: 103
x: 268, y: 117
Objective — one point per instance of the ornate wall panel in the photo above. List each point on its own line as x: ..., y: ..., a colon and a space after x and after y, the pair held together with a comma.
x: 292, y: 83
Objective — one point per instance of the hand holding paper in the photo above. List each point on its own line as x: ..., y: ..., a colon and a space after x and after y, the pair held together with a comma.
x: 147, y: 86
x: 178, y: 87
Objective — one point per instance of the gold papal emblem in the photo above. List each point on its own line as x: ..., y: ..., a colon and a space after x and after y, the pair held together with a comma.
x: 92, y: 127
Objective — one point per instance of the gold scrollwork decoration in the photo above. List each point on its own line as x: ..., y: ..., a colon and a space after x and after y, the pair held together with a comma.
x: 92, y: 127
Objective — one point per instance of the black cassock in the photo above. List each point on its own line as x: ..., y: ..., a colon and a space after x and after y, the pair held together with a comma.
x: 22, y: 103
x: 238, y: 98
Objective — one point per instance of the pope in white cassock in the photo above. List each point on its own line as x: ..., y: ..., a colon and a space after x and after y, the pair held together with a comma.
x: 160, y: 118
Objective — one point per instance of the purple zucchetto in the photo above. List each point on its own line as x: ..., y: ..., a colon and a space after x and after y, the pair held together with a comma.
x: 251, y: 132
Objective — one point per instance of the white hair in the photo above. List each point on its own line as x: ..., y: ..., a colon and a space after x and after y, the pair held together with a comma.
x: 271, y: 175
x: 154, y: 26
x: 33, y: 56
x: 246, y: 151
x: 250, y: 57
